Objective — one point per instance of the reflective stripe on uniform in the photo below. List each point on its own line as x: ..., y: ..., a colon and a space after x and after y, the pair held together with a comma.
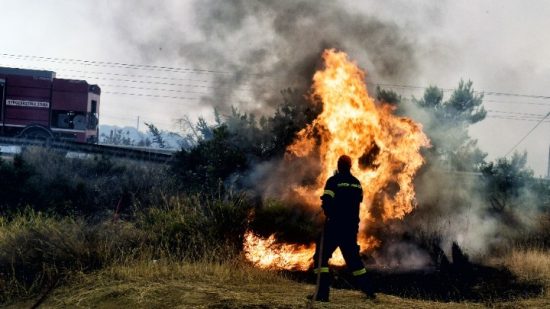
x: 345, y: 184
x: 329, y: 192
x: 321, y: 270
x: 359, y: 272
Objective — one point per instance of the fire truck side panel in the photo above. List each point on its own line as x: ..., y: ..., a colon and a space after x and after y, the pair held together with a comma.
x: 28, y: 93
x: 27, y: 81
x: 26, y: 101
x: 69, y: 101
x: 70, y: 85
x: 69, y: 96
x: 17, y: 116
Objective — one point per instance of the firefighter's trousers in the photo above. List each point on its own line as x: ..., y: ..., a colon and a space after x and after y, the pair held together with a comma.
x: 337, y: 236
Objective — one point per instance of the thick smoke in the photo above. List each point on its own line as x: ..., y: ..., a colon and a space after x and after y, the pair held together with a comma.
x: 454, y: 206
x: 257, y: 48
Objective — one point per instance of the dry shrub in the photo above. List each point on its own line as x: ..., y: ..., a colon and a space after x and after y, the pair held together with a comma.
x: 193, y: 227
x: 91, y: 186
x: 530, y: 264
x: 38, y: 251
x: 35, y: 250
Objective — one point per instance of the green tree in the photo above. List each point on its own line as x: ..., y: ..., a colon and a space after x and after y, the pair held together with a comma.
x: 448, y: 122
x: 157, y: 135
x: 506, y: 179
x: 390, y: 97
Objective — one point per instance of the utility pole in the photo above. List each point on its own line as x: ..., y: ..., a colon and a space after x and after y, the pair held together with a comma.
x: 548, y: 173
x: 138, y: 124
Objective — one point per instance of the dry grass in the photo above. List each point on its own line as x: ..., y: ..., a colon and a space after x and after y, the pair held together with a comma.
x: 137, y: 277
x: 207, y: 284
x: 529, y: 264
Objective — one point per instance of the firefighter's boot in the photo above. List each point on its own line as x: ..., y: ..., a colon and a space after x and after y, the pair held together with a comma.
x: 366, y: 286
x: 323, y: 290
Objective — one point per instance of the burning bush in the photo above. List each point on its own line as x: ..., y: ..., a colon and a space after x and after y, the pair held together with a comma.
x: 387, y: 147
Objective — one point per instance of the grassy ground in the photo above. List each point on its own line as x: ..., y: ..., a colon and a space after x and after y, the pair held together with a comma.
x: 158, y: 284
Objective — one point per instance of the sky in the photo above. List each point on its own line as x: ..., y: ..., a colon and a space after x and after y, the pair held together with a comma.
x: 502, y: 46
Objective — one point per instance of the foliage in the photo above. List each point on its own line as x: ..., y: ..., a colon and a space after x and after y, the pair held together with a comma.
x: 289, y: 223
x: 447, y: 125
x: 387, y: 96
x: 47, y: 181
x: 205, y: 166
x: 391, y: 97
x: 39, y: 251
x: 230, y: 147
x: 157, y: 136
x: 117, y: 137
x: 196, y: 226
x: 506, y: 180
x: 15, y: 185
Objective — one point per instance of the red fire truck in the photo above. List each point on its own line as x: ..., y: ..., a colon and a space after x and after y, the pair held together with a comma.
x: 34, y: 104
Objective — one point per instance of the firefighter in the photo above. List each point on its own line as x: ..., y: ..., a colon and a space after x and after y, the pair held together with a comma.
x: 340, y: 204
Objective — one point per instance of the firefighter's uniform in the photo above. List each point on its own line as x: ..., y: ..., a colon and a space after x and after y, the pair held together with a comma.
x: 341, y: 199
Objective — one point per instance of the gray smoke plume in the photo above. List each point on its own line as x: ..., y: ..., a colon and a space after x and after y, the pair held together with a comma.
x: 455, y: 206
x: 257, y: 48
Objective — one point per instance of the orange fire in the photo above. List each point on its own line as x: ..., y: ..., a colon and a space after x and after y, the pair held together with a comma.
x: 387, y: 147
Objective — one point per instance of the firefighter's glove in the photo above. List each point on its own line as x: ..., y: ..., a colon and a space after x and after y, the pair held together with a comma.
x: 328, y: 206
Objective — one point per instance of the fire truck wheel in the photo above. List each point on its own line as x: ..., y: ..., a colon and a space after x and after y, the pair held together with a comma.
x: 36, y: 134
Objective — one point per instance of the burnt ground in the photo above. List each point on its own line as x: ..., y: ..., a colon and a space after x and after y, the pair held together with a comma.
x: 463, y: 282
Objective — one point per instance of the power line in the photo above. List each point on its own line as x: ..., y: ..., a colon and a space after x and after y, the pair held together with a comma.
x: 517, y: 119
x: 148, y: 95
x: 117, y: 64
x: 155, y: 89
x: 516, y: 102
x: 409, y: 87
x: 200, y: 71
x: 148, y: 120
x: 113, y: 64
x: 147, y: 76
x: 484, y: 92
x: 523, y: 138
x: 136, y: 75
x: 152, y: 95
x: 213, y: 87
x: 515, y: 95
x: 515, y: 113
x: 147, y: 82
x: 60, y: 70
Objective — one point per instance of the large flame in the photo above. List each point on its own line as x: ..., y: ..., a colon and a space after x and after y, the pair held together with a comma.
x: 387, y: 147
